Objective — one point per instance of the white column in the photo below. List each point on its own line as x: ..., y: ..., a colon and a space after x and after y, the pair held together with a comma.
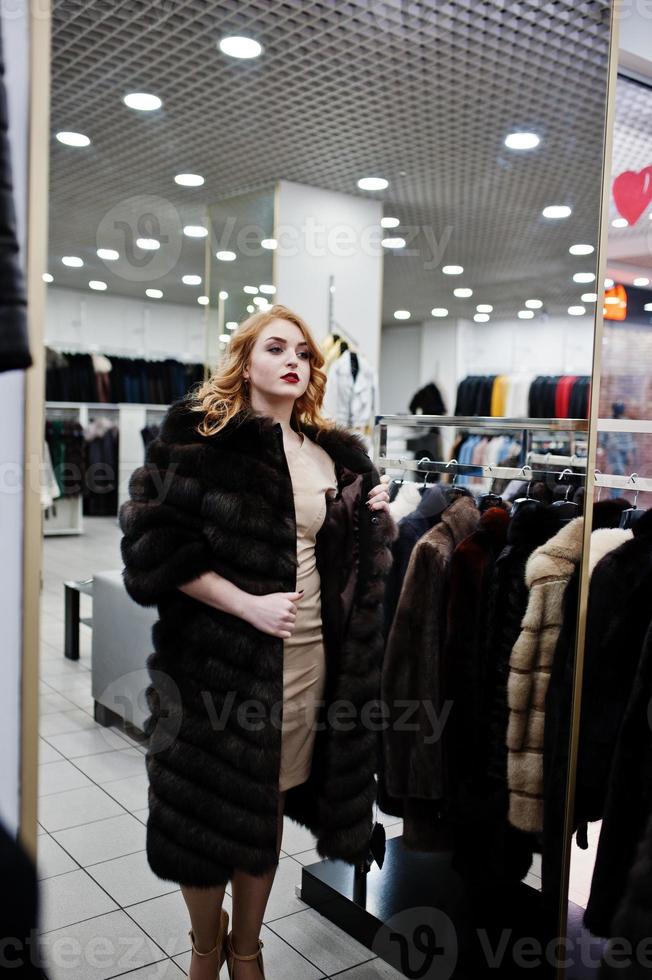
x: 321, y: 234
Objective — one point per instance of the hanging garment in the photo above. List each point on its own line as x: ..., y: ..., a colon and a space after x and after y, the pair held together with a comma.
x: 499, y: 396
x: 618, y: 616
x: 49, y: 486
x: 615, y: 753
x: 464, y: 668
x: 407, y: 499
x: 410, y: 528
x: 631, y: 922
x: 413, y: 758
x: 101, y: 449
x: 427, y: 401
x: 14, y: 339
x: 352, y: 402
x: 605, y: 537
x: 547, y: 574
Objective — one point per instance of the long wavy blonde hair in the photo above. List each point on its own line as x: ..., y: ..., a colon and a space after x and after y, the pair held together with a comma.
x: 225, y: 394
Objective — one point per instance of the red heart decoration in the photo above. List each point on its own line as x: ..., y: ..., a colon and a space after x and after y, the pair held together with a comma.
x: 632, y: 193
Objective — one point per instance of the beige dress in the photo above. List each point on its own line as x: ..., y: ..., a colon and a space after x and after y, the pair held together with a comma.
x: 313, y: 473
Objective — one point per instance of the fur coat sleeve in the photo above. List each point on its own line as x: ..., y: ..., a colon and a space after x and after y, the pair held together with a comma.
x: 163, y: 544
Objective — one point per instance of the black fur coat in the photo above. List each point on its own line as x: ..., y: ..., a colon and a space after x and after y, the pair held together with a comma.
x: 225, y: 503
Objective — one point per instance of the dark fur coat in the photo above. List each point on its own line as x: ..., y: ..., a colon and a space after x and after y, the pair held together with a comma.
x: 411, y: 681
x: 225, y: 503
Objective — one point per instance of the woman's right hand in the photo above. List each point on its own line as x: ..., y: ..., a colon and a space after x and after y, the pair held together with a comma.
x: 274, y: 613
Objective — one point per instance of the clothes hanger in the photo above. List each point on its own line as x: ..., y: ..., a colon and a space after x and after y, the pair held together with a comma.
x: 433, y: 500
x: 628, y: 518
x: 527, y: 502
x: 566, y: 510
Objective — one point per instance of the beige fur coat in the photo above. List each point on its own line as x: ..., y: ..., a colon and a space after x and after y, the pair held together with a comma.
x: 547, y: 574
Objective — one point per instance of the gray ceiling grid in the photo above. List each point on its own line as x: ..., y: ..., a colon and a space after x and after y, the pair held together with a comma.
x: 421, y: 93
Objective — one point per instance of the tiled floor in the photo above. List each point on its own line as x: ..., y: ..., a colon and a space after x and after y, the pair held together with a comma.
x: 104, y: 914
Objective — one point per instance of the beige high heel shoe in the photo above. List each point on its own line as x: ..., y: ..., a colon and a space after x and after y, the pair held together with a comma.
x: 220, y: 944
x: 231, y: 956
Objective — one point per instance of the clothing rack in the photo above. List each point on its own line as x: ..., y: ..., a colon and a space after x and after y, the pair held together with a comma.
x: 361, y: 900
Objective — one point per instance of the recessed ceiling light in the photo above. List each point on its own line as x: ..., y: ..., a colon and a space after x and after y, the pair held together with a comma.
x: 148, y: 244
x: 589, y: 297
x: 463, y: 292
x: 251, y: 308
x: 401, y: 314
x: 619, y: 223
x: 191, y: 280
x: 261, y: 301
x: 225, y: 256
x: 223, y: 294
x: 108, y: 254
x: 581, y: 249
x: 73, y: 139
x: 154, y: 293
x: 533, y: 304
x: 525, y: 314
x: 237, y: 46
x: 267, y: 288
x: 522, y: 141
x: 73, y: 261
x: 556, y: 211
x: 584, y: 277
x: 195, y: 231
x: 142, y: 101
x: 47, y: 277
x: 480, y: 317
x: 189, y: 180
x: 484, y: 308
x: 98, y: 285
x: 608, y: 283
x: 252, y: 290
x: 393, y: 243
x: 231, y: 324
x: 373, y: 183
x: 203, y: 300
x: 389, y: 222
x: 641, y: 281
x: 439, y: 311
x: 648, y: 307
x: 269, y: 243
x: 576, y: 310
x: 452, y: 270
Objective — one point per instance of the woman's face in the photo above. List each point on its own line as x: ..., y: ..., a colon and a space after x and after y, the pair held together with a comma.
x: 279, y: 363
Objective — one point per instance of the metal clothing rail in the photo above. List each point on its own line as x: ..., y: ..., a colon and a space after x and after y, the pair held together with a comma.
x: 473, y: 421
x: 425, y: 465
x: 524, y: 426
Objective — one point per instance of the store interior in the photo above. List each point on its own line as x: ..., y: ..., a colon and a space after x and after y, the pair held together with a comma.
x: 423, y: 184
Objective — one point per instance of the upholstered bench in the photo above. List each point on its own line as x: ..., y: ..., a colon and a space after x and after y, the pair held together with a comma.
x: 122, y: 640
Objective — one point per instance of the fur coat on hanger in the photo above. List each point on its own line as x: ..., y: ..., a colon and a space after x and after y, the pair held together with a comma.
x: 225, y: 503
x: 411, y: 686
x: 547, y: 574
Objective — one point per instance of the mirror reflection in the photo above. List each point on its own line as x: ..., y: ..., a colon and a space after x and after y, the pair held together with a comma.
x: 399, y: 207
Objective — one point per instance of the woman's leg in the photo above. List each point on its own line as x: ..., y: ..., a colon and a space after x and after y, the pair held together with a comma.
x: 250, y: 895
x: 204, y: 907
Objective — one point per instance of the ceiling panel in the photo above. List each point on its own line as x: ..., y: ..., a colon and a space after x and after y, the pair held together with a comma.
x: 422, y: 94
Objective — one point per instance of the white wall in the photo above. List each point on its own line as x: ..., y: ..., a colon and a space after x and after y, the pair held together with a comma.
x: 450, y: 349
x: 12, y: 398
x: 399, y: 365
x: 322, y: 233
x: 128, y: 327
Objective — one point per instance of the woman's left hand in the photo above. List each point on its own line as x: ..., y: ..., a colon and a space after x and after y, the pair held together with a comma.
x: 378, y: 497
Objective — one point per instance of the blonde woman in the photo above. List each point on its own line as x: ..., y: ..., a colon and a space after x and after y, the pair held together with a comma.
x: 261, y: 531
